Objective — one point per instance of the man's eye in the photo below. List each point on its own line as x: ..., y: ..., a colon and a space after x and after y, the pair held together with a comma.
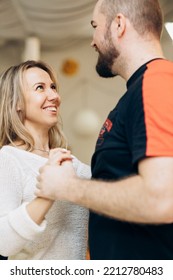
x: 93, y: 24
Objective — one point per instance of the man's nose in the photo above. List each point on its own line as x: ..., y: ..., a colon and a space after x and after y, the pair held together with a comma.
x: 92, y: 44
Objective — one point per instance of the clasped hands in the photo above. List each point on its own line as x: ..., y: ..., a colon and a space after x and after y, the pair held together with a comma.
x: 54, y: 177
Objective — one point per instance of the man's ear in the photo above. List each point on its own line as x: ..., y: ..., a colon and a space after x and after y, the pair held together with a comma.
x: 120, y: 22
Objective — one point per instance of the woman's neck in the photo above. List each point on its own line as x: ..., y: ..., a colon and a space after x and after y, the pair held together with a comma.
x: 40, y: 146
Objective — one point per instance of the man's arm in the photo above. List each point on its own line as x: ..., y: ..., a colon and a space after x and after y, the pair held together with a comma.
x: 144, y: 198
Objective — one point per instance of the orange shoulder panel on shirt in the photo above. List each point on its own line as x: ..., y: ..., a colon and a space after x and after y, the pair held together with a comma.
x: 157, y: 93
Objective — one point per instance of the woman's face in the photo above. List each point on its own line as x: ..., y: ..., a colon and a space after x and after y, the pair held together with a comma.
x: 42, y: 100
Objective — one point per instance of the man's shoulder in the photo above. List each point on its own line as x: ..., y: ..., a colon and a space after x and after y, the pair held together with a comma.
x: 160, y: 66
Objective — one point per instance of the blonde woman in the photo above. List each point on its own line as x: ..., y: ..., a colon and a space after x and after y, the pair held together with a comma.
x: 32, y: 227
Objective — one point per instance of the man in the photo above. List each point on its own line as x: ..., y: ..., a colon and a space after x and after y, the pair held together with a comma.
x: 131, y: 192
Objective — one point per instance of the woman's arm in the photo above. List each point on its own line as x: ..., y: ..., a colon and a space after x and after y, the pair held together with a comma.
x: 19, y: 222
x: 38, y: 208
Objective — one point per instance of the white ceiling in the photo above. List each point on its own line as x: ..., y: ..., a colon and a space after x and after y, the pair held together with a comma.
x: 57, y: 23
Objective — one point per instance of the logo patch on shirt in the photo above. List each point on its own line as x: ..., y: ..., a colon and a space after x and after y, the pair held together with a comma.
x: 105, y: 128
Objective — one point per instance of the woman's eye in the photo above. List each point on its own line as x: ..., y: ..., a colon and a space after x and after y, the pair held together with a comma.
x: 53, y: 87
x: 39, y: 88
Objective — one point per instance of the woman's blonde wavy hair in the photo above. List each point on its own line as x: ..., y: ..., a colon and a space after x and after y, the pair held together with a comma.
x: 12, y: 121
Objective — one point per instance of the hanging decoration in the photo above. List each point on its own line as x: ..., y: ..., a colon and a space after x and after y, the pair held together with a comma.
x: 86, y: 122
x: 70, y: 67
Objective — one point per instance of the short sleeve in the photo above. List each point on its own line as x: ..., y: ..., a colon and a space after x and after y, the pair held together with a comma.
x: 150, y: 113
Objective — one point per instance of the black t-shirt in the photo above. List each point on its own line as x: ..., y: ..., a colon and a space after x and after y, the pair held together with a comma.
x: 141, y: 125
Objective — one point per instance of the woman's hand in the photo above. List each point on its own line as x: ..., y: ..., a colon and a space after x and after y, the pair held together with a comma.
x: 58, y: 156
x: 53, y: 180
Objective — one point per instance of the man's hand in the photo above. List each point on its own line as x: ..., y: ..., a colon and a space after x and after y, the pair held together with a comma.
x: 55, y: 176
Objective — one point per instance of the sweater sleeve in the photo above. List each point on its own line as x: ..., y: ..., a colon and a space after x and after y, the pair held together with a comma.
x: 82, y: 170
x: 16, y: 226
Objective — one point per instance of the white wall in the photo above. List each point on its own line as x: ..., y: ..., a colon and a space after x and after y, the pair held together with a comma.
x: 167, y: 45
x: 9, y: 55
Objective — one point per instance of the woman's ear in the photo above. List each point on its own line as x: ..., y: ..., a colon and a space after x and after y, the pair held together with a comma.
x: 18, y: 107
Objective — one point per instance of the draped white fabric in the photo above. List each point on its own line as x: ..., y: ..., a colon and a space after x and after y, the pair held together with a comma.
x: 57, y: 23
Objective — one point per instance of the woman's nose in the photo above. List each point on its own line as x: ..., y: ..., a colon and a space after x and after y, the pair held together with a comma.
x: 53, y: 95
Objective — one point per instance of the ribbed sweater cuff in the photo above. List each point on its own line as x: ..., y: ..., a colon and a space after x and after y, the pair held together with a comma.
x: 21, y: 222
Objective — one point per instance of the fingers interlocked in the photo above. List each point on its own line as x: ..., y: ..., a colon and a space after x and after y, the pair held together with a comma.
x: 58, y: 155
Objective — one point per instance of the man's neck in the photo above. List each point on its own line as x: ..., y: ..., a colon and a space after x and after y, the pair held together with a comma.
x: 139, y: 53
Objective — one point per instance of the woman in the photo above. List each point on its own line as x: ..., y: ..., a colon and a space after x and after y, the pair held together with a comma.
x: 32, y: 227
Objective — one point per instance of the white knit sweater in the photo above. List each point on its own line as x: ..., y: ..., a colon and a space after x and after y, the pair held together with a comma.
x: 63, y: 233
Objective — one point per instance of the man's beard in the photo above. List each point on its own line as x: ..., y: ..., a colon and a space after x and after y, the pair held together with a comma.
x: 106, y: 61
